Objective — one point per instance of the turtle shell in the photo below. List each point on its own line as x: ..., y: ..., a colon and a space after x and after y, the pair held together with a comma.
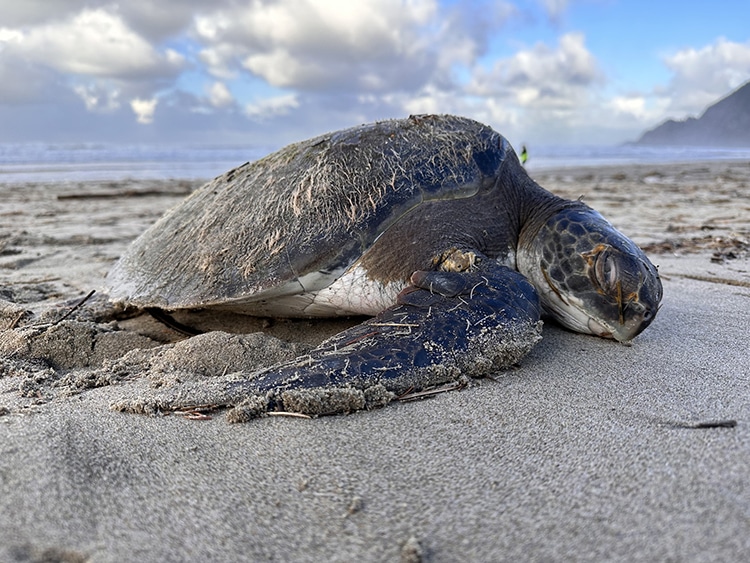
x: 291, y: 222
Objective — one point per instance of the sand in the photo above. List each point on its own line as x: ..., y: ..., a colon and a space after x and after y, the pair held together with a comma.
x: 588, y: 451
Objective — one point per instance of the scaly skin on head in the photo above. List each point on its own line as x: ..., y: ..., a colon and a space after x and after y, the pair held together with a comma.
x: 590, y: 277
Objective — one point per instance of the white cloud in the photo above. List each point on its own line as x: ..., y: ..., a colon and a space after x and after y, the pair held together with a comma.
x: 153, y: 20
x: 279, y: 68
x: 220, y: 60
x: 272, y: 107
x: 369, y: 45
x: 542, y: 77
x: 219, y: 95
x: 637, y: 109
x: 94, y: 43
x: 35, y: 12
x: 156, y: 21
x: 8, y: 35
x: 98, y: 99
x: 91, y: 52
x: 144, y: 109
x: 555, y: 8
x: 629, y: 105
x: 703, y: 75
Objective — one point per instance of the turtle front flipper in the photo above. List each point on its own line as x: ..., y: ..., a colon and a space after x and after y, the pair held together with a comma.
x: 445, y: 326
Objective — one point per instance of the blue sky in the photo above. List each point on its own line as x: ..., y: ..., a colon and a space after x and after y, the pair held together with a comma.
x: 265, y: 73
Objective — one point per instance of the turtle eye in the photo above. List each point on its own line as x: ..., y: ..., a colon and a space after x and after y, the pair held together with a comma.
x: 605, y: 269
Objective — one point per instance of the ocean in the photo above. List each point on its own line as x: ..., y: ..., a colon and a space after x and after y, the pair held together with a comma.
x: 40, y: 162
x: 52, y: 163
x: 592, y: 156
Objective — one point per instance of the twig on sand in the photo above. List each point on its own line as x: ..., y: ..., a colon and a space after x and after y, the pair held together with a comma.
x: 418, y: 395
x: 198, y: 412
x: 123, y: 193
x: 16, y: 320
x: 74, y: 308
x: 729, y: 423
x: 194, y: 415
x: 289, y: 414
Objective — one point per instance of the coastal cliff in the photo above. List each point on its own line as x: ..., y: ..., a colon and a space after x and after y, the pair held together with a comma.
x: 725, y: 123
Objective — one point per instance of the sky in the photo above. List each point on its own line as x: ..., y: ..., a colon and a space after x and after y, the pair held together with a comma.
x: 265, y: 73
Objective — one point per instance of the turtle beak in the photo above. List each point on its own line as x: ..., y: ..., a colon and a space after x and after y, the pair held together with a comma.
x: 633, y: 327
x: 636, y: 315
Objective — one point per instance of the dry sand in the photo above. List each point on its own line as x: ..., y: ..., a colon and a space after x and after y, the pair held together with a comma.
x: 589, y: 451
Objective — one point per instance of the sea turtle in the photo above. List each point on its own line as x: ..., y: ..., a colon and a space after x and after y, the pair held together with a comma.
x: 428, y: 223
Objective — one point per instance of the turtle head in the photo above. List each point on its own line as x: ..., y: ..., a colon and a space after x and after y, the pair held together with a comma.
x: 590, y: 277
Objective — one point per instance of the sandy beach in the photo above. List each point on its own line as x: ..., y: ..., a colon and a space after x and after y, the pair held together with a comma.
x: 588, y: 451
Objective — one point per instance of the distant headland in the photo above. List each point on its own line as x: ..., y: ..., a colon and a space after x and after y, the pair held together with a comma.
x: 725, y: 123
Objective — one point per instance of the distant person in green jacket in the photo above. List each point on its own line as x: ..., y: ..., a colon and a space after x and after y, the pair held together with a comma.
x: 524, y: 155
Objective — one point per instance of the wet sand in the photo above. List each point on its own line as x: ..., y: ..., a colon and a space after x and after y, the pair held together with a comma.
x: 588, y: 451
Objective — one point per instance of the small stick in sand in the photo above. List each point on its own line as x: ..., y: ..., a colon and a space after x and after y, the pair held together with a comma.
x: 730, y: 423
x: 194, y: 415
x: 289, y: 414
x: 430, y: 392
x: 123, y: 193
x: 75, y: 307
x: 16, y: 320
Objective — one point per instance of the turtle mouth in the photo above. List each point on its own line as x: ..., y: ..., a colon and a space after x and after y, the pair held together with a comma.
x: 599, y: 329
x: 574, y: 317
x: 623, y: 333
